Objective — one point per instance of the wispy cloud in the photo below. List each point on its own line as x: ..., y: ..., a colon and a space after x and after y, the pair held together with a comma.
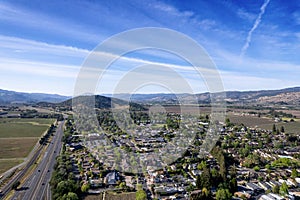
x: 245, y: 15
x: 255, y: 25
x: 21, y: 45
x: 38, y: 68
x: 172, y: 10
x: 24, y: 17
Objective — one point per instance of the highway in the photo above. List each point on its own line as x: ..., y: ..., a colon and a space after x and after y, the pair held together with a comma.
x: 7, y: 188
x: 37, y: 186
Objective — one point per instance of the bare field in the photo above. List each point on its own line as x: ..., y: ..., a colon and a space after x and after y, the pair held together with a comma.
x: 290, y: 127
x: 293, y: 112
x: 264, y: 123
x: 248, y: 120
x: 16, y: 147
x: 112, y: 196
x: 7, y: 164
x: 188, y: 109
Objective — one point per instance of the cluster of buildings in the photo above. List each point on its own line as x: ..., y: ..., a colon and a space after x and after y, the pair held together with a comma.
x: 108, y: 162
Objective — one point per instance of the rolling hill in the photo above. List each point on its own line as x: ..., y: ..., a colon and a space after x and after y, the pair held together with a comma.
x: 288, y: 96
x: 12, y: 97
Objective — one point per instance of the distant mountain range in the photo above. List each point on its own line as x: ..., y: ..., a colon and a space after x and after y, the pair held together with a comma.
x: 287, y: 96
x: 11, y: 97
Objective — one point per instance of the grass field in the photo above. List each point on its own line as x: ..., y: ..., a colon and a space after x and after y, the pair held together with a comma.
x: 18, y: 137
x: 15, y: 127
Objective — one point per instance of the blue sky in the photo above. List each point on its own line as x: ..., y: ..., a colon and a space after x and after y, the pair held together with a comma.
x: 254, y: 44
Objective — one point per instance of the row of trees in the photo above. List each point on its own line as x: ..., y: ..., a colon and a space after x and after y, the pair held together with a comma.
x: 63, y: 183
x: 46, y: 136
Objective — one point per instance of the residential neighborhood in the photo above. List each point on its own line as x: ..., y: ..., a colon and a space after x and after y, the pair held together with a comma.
x: 256, y: 163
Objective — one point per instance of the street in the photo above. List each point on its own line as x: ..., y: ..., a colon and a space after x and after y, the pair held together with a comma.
x: 37, y: 186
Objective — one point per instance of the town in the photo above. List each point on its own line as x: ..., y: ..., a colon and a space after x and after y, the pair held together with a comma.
x: 246, y: 163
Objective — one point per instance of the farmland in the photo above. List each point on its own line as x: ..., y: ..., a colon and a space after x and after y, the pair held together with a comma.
x: 16, y: 147
x: 7, y: 164
x: 18, y: 137
x: 264, y: 122
x: 15, y: 127
x: 250, y: 121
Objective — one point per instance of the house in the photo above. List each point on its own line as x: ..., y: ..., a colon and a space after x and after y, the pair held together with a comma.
x: 96, y: 183
x: 266, y: 197
x: 265, y: 186
x: 111, y: 178
x: 254, y: 187
x: 275, y: 196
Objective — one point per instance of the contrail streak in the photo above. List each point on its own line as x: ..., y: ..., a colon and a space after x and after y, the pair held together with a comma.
x: 255, y: 25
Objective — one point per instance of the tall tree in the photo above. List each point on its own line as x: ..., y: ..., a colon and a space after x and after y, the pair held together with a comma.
x: 284, y: 189
x: 294, y: 173
x: 274, y: 128
x: 204, y: 180
x: 223, y: 194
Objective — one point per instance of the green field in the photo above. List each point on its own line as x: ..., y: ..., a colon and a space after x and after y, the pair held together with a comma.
x: 18, y: 137
x: 15, y: 127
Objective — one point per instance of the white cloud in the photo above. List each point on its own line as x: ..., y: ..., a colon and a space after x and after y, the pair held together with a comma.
x: 31, y: 68
x: 207, y: 24
x: 255, y: 25
x: 245, y: 15
x: 20, y: 45
x: 234, y: 76
x: 37, y: 20
x: 172, y: 10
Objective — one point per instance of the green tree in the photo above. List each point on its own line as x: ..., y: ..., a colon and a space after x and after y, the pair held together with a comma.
x: 227, y: 122
x: 294, y: 173
x: 64, y: 187
x: 223, y: 194
x: 140, y: 195
x: 277, y: 132
x: 70, y: 196
x: 274, y: 128
x: 233, y: 185
x: 15, y: 185
x: 275, y: 189
x: 85, y: 187
x: 201, y: 165
x: 204, y: 194
x: 256, y: 168
x: 204, y: 180
x: 284, y: 189
x: 282, y: 129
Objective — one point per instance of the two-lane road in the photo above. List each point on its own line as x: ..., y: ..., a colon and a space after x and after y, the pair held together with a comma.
x: 36, y: 186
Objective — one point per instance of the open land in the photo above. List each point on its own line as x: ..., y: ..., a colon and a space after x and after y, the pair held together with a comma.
x: 18, y: 137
